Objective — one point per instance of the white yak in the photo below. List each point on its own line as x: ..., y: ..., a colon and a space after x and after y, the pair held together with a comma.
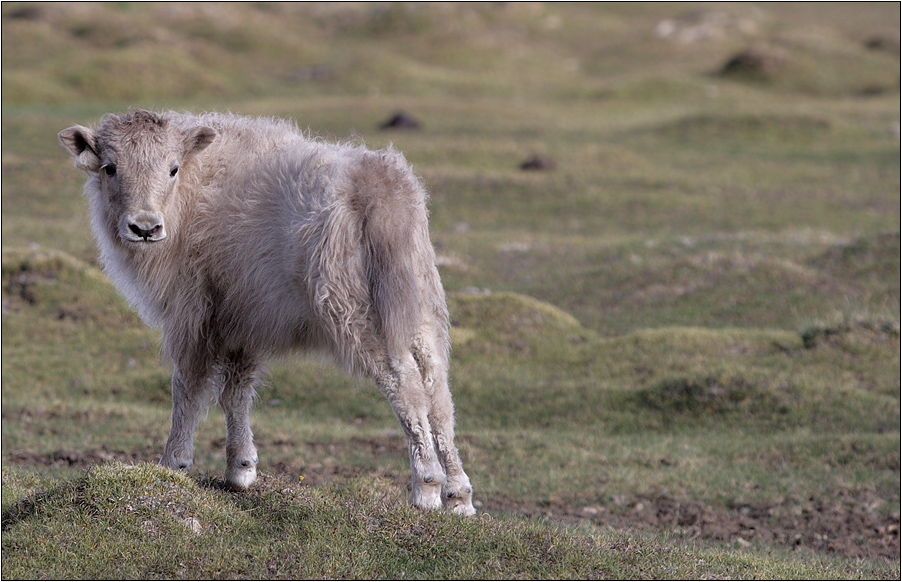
x: 241, y: 239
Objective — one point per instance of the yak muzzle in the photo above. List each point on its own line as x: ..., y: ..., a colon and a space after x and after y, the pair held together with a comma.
x: 143, y: 227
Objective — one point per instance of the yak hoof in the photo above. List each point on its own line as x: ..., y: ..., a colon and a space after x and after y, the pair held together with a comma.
x: 426, y: 496
x: 461, y: 507
x: 176, y: 464
x: 240, y: 478
x: 459, y: 500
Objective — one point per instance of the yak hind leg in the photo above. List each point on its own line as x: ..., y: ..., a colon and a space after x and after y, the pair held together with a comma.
x: 190, y: 398
x: 239, y: 377
x: 457, y: 492
x: 401, y: 384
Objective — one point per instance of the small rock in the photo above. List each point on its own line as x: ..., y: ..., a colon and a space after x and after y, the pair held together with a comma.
x: 883, y: 42
x: 193, y: 525
x: 538, y: 163
x: 755, y: 63
x: 401, y: 120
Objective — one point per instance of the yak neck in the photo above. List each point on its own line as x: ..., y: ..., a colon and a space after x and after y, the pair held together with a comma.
x: 151, y: 276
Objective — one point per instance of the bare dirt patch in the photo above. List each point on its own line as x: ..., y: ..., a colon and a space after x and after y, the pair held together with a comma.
x: 845, y: 524
x: 77, y: 459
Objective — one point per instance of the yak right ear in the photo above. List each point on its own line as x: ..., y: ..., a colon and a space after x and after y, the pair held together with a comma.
x: 197, y: 139
x: 79, y: 142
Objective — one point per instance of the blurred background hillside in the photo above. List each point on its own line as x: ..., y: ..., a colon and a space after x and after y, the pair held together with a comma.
x: 720, y: 128
x: 175, y: 53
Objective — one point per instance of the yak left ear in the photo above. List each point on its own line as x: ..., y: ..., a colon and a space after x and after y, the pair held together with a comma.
x: 197, y: 139
x: 80, y: 143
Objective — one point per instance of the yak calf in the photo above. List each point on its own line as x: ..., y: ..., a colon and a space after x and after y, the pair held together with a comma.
x: 241, y: 239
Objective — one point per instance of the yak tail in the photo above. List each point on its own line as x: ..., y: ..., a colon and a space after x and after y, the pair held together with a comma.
x: 371, y: 255
x: 397, y: 245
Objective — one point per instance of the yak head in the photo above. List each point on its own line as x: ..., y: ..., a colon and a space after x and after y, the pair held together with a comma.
x: 136, y: 163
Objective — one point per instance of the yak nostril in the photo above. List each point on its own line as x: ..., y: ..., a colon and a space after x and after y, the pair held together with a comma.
x: 145, y: 233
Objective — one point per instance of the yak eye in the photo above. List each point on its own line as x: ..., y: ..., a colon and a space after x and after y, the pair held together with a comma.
x: 173, y: 171
x: 110, y: 169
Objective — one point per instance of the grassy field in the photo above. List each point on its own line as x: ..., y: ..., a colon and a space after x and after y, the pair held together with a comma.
x: 676, y: 349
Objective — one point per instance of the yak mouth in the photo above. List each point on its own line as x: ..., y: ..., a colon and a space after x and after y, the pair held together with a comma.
x: 131, y: 238
x: 140, y: 241
x: 143, y: 238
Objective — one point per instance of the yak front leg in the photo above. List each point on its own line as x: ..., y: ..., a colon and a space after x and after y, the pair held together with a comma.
x: 239, y: 379
x: 189, y: 399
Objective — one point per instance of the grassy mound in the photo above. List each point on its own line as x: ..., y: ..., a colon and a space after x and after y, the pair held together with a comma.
x: 142, y: 521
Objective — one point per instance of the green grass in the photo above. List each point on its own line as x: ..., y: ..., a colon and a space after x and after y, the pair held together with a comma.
x: 676, y: 355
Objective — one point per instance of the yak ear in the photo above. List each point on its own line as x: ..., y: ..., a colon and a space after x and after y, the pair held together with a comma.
x: 197, y: 139
x: 80, y: 143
